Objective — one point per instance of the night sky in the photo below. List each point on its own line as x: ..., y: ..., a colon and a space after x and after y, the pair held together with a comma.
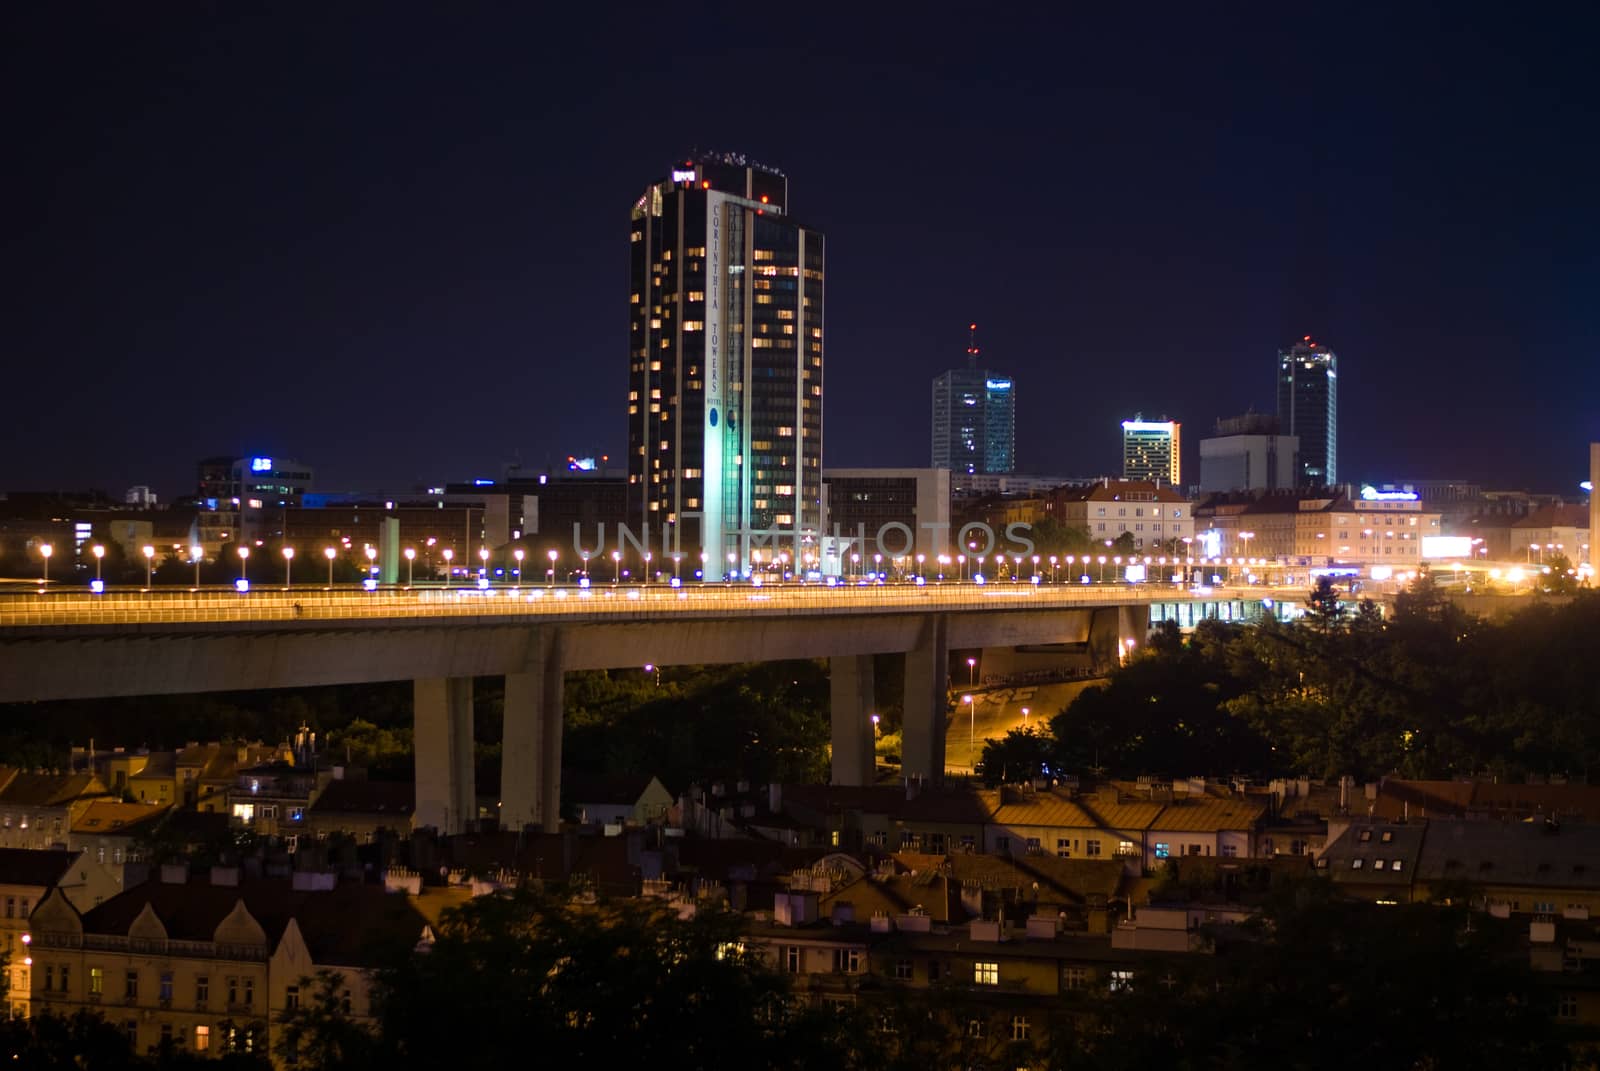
x: 392, y: 241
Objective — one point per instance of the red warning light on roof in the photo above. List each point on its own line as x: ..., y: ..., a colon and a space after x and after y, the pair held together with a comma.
x: 972, y: 327
x: 763, y: 198
x: 705, y: 185
x: 1306, y: 339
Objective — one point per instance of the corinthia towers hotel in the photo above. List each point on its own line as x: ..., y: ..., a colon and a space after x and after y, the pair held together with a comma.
x: 725, y: 365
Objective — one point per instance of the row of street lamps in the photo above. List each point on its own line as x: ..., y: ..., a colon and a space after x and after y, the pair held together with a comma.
x: 779, y: 561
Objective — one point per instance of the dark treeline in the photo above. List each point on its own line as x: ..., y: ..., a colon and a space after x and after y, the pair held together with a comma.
x: 1315, y: 983
x: 1431, y: 692
x: 764, y: 722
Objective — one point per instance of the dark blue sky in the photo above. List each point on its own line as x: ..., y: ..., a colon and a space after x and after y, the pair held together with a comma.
x: 392, y: 241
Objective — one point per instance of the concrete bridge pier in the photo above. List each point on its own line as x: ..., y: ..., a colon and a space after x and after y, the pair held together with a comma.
x: 530, y: 756
x: 851, y: 699
x: 927, y: 702
x: 447, y: 797
x: 1110, y: 630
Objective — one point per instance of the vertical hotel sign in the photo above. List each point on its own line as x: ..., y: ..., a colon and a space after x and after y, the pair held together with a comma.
x: 711, y: 467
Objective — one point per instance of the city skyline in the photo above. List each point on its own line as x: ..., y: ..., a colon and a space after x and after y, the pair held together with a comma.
x: 391, y: 265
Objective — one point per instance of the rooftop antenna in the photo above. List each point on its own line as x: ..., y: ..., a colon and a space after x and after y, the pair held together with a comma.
x: 972, y: 346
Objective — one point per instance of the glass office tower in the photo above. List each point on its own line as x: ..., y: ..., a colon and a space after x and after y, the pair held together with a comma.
x: 1308, y: 408
x: 725, y: 366
x: 974, y: 419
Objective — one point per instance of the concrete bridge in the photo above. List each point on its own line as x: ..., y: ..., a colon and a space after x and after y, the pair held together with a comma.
x: 76, y: 646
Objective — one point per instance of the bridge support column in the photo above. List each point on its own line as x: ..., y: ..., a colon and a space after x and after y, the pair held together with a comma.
x: 851, y: 694
x: 530, y: 754
x: 447, y: 797
x: 1112, y: 628
x: 926, y: 702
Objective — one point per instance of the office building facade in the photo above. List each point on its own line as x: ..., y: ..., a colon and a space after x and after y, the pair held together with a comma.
x: 1308, y: 409
x: 1248, y: 453
x: 888, y: 511
x: 974, y: 419
x: 725, y: 364
x: 244, y: 498
x: 1151, y: 449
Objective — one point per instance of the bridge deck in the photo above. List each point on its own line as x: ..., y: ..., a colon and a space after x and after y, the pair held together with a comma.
x: 140, y: 610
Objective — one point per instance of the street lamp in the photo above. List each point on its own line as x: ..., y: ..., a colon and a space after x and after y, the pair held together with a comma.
x: 45, y: 550
x: 553, y: 556
x: 1024, y: 717
x: 616, y: 567
x: 517, y: 554
x: 330, y: 554
x: 648, y: 558
x: 449, y: 556
x: 244, y: 567
x: 586, y: 565
x: 972, y: 672
x: 677, y: 560
x: 288, y: 568
x: 483, y: 556
x: 195, y: 555
x: 149, y: 563
x: 411, y: 565
x: 99, y: 554
x: 372, y: 555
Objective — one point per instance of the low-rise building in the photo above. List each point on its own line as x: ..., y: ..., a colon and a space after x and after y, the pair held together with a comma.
x: 211, y: 966
x: 1154, y: 515
x: 37, y: 809
x: 1319, y: 528
x: 27, y: 876
x: 364, y: 809
x: 625, y: 800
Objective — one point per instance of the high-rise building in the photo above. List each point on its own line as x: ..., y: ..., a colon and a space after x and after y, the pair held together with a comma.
x: 1150, y: 450
x: 725, y: 364
x: 974, y: 418
x: 1308, y: 408
x: 1248, y: 453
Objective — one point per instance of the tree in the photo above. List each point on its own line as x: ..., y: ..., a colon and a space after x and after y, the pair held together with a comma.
x: 611, y: 984
x: 1021, y: 755
x: 1322, y: 984
x: 1323, y: 605
x: 321, y: 1034
x: 1558, y: 577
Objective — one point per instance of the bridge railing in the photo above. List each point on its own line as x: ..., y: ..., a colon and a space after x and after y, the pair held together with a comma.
x: 604, y: 601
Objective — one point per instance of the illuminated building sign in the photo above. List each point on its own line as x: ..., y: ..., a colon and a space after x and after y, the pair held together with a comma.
x: 997, y: 384
x: 711, y: 511
x: 261, y: 464
x: 1446, y: 547
x: 1372, y: 494
x: 682, y: 176
x: 1148, y: 425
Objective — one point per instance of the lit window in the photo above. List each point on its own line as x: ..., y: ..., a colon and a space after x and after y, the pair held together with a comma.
x: 1019, y: 1028
x: 986, y: 972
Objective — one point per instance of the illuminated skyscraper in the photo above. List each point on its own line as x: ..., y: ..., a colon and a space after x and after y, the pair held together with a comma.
x: 974, y: 418
x: 725, y: 364
x: 1308, y: 408
x: 1150, y: 450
